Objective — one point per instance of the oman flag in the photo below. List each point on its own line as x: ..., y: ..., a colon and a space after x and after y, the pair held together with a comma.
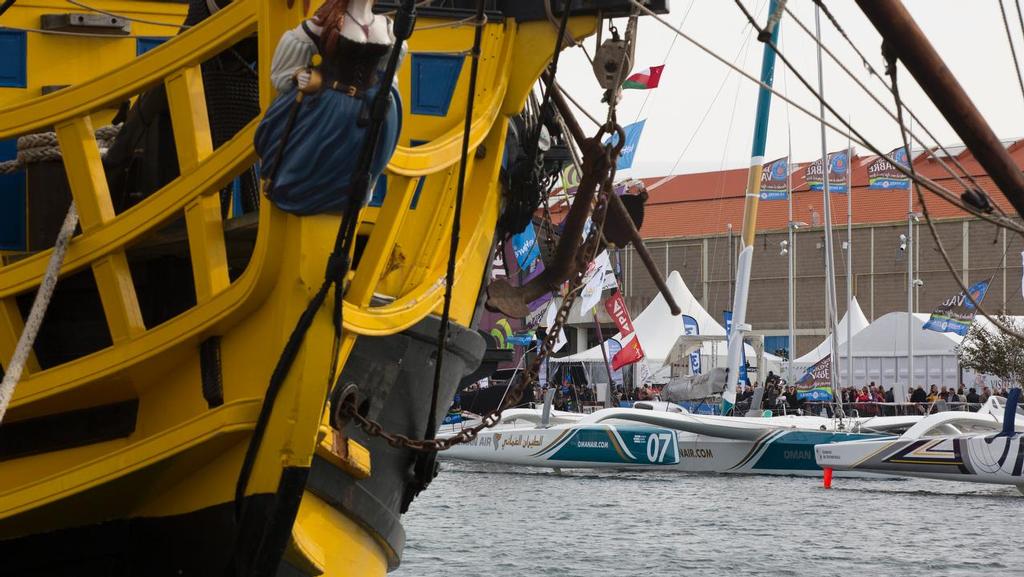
x: 630, y: 353
x: 645, y: 79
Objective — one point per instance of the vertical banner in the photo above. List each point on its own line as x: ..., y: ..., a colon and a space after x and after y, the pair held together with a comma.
x: 612, y: 347
x: 691, y: 327
x: 775, y: 180
x: 744, y: 378
x: 883, y: 174
x: 956, y: 314
x: 525, y: 246
x: 633, y: 132
x: 631, y: 350
x: 616, y: 307
x: 838, y: 164
x: 816, y: 384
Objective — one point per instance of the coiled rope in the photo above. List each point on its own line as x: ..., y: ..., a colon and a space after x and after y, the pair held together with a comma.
x: 43, y: 147
x: 34, y: 148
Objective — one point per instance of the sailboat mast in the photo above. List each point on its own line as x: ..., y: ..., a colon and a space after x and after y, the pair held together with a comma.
x: 849, y: 260
x: 830, y: 279
x: 753, y: 195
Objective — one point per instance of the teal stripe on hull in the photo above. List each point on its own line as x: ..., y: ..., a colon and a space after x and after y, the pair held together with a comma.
x: 794, y: 450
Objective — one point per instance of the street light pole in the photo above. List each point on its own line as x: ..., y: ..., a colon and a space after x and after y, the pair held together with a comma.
x: 910, y: 293
x: 791, y: 290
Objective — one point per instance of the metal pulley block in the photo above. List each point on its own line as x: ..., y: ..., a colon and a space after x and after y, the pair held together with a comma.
x: 612, y: 61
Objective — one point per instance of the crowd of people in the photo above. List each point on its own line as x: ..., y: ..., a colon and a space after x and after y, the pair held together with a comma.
x: 870, y: 400
x: 782, y: 398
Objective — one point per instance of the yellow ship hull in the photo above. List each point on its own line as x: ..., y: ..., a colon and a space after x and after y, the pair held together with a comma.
x: 125, y: 458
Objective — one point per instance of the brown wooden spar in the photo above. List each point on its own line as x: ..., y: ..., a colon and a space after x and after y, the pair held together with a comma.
x: 618, y: 217
x: 909, y: 44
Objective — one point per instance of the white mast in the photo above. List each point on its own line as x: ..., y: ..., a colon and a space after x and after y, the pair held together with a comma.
x: 849, y: 260
x: 830, y: 280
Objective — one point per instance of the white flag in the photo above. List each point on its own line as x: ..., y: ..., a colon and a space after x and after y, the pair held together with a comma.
x: 593, y: 282
x: 645, y: 372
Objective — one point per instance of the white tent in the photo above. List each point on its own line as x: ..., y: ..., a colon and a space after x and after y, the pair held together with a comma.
x: 658, y: 331
x: 858, y: 323
x: 880, y: 355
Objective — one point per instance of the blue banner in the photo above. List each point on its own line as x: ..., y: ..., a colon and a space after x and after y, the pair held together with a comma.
x: 524, y: 340
x: 524, y: 244
x: 956, y: 314
x: 743, y: 358
x: 838, y: 165
x: 883, y: 174
x: 691, y: 327
x: 633, y: 132
x: 816, y: 383
x: 613, y: 346
x: 775, y: 180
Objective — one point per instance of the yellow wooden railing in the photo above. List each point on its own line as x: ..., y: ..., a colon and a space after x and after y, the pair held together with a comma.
x: 406, y: 250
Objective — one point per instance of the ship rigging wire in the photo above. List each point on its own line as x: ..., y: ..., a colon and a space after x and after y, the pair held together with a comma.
x: 1013, y: 48
x: 857, y: 137
x: 909, y: 171
x: 927, y: 149
x: 453, y: 246
x: 941, y: 191
x: 931, y: 225
x: 664, y: 60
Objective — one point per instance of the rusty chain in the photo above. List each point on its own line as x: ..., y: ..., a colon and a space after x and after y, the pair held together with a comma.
x: 515, y: 394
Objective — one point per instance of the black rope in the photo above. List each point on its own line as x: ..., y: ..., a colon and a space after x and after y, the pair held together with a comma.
x: 1013, y: 49
x: 6, y: 6
x: 873, y: 148
x: 453, y: 244
x: 425, y: 466
x: 337, y: 262
x: 891, y: 70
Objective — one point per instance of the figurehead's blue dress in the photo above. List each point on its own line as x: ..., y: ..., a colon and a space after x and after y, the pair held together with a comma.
x: 323, y: 148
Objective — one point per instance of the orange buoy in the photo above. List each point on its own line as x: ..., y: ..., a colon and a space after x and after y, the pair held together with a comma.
x: 828, y: 477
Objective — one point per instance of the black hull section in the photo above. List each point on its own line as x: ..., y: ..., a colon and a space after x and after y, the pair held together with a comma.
x: 197, y: 544
x: 395, y: 374
x: 395, y: 378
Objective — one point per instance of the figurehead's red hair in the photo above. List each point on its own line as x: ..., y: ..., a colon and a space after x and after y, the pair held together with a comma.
x: 331, y: 16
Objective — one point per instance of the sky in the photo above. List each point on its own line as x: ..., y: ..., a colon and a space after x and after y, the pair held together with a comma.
x: 969, y: 36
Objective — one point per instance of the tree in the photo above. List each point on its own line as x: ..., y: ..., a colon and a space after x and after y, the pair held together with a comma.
x: 986, y: 349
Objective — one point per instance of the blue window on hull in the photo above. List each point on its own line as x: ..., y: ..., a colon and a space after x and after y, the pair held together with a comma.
x: 13, y: 67
x: 434, y: 77
x: 146, y: 43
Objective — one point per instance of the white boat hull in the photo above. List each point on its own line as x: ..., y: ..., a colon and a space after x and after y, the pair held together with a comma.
x: 573, y: 446
x: 632, y: 438
x: 954, y: 446
x: 973, y: 459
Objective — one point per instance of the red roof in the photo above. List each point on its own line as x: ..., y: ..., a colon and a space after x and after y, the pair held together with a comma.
x: 705, y: 203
